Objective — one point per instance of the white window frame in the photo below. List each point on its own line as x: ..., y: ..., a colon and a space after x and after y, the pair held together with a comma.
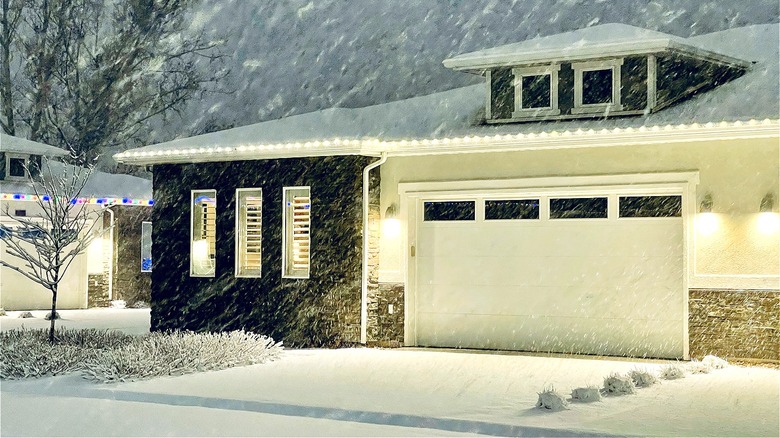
x: 579, y: 68
x: 151, y: 233
x: 12, y: 156
x: 241, y: 234
x: 521, y: 72
x: 287, y: 241
x: 213, y: 271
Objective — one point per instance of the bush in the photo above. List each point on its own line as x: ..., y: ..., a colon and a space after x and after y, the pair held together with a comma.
x: 642, y: 378
x: 141, y: 304
x: 550, y: 400
x: 672, y: 372
x: 109, y: 356
x: 26, y: 315
x: 714, y: 362
x: 2, y: 312
x: 586, y: 395
x: 696, y: 367
x: 618, y: 384
x: 48, y: 316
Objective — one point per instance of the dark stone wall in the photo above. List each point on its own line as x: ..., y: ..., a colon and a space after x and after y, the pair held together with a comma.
x: 385, y: 328
x: 680, y: 78
x: 2, y: 165
x: 130, y: 284
x: 502, y: 89
x: 633, y: 75
x: 97, y: 290
x: 734, y: 323
x: 323, y: 310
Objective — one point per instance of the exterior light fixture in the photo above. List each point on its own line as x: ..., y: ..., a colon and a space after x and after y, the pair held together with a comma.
x: 706, y: 204
x: 391, y: 226
x: 392, y: 211
x: 767, y: 204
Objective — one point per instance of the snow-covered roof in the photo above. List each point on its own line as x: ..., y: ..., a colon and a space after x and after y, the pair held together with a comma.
x: 99, y: 185
x: 423, y: 124
x: 9, y: 143
x: 613, y: 39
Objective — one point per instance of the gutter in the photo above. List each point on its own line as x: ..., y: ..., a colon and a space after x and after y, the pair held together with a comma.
x: 364, y: 276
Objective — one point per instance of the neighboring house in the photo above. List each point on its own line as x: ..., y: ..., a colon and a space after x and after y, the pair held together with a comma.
x: 608, y: 191
x: 112, y: 266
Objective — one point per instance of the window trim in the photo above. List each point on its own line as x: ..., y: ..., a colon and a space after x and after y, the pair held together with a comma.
x: 521, y: 72
x: 609, y: 64
x: 238, y: 235
x: 213, y: 272
x: 11, y: 156
x: 151, y: 233
x: 286, y: 243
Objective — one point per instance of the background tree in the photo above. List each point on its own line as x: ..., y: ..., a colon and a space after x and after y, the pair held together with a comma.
x: 92, y: 74
x: 47, y: 243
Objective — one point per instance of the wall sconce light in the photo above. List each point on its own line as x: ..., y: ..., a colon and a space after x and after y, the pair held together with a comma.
x: 392, y: 211
x: 767, y: 204
x: 706, y: 204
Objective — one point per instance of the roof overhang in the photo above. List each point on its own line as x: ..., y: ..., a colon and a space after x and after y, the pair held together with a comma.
x: 478, y: 62
x: 541, y: 140
x: 18, y: 145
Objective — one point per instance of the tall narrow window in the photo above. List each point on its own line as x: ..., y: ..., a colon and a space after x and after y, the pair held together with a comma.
x: 146, y: 247
x: 296, y: 227
x: 249, y: 232
x: 203, y: 248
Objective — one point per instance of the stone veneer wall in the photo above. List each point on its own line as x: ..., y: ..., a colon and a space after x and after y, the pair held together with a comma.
x: 323, y: 310
x: 734, y: 323
x: 97, y: 290
x: 130, y: 284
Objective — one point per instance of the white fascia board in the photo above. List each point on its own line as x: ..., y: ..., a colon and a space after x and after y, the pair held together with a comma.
x: 478, y: 62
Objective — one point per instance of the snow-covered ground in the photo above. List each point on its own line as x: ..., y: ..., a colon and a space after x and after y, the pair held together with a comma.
x: 402, y: 392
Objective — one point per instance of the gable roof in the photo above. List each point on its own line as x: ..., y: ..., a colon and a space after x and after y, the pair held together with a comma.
x: 613, y: 39
x: 9, y: 143
x: 441, y: 121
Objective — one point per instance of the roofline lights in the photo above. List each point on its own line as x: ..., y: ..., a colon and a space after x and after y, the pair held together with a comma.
x: 469, y: 143
x: 91, y: 201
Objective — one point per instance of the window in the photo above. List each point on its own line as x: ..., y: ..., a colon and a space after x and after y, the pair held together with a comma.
x: 650, y: 206
x: 536, y: 91
x: 203, y: 251
x: 512, y: 209
x: 249, y: 232
x: 448, y: 211
x: 146, y: 247
x: 578, y: 208
x: 597, y: 86
x: 16, y: 165
x: 296, y: 229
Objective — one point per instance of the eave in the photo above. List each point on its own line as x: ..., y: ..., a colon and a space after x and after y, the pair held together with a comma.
x: 541, y: 140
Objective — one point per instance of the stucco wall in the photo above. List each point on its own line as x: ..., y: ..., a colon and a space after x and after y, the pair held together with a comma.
x: 738, y: 174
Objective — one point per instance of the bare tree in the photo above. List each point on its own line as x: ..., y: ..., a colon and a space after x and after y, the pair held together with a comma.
x: 48, y: 242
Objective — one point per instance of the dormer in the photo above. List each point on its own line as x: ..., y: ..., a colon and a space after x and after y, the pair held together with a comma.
x: 602, y: 71
x: 18, y: 154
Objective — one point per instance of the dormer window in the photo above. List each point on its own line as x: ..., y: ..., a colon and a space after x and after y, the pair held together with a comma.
x: 536, y: 91
x: 597, y: 86
x: 16, y: 165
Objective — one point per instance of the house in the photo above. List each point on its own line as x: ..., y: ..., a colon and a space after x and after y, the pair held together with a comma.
x: 609, y: 191
x: 112, y: 268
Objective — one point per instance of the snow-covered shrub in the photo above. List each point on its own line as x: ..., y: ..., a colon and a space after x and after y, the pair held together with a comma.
x: 141, y: 304
x: 550, y: 400
x: 672, y: 372
x: 642, y: 378
x: 177, y: 353
x: 26, y: 315
x: 714, y: 362
x: 48, y: 316
x: 618, y: 384
x: 2, y: 312
x: 586, y: 395
x: 118, y: 304
x: 696, y: 367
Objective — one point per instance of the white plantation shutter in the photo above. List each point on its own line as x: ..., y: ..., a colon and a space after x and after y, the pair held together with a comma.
x: 249, y: 234
x: 297, y: 232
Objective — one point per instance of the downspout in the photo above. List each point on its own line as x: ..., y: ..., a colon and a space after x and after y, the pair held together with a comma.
x: 113, y: 261
x: 364, y: 282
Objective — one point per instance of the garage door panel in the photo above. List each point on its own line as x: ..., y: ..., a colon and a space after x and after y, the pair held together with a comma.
x: 631, y: 337
x: 457, y: 269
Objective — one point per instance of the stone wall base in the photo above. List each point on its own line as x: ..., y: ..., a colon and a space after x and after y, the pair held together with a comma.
x: 734, y: 323
x: 386, y: 315
x: 97, y: 290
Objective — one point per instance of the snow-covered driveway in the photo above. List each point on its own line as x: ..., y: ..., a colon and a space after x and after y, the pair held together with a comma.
x: 374, y: 392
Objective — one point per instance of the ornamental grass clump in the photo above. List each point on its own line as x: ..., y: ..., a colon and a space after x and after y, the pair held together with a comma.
x: 696, y: 367
x: 588, y: 394
x: 672, y: 372
x: 618, y: 384
x: 642, y: 378
x: 714, y: 362
x: 551, y: 400
x: 110, y: 356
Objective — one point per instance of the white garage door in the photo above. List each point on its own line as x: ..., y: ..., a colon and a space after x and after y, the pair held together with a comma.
x: 596, y: 274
